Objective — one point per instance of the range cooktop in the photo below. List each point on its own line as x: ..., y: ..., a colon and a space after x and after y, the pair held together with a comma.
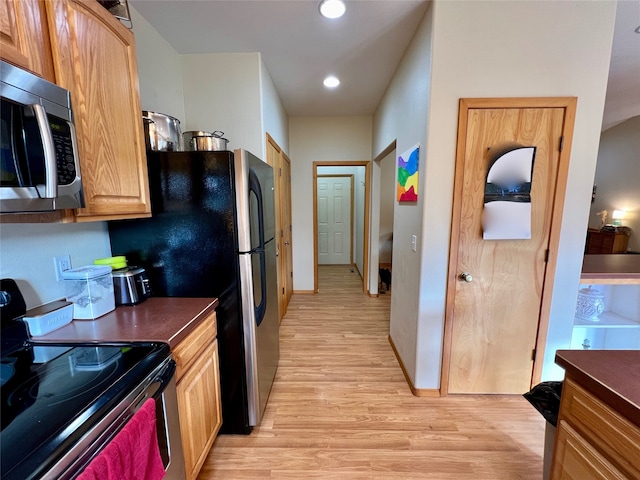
x: 53, y: 394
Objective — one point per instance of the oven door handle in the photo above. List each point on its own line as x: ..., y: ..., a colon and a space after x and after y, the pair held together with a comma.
x: 157, y: 387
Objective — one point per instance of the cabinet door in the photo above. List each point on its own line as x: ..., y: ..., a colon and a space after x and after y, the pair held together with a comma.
x: 199, y: 408
x: 577, y: 459
x: 95, y: 59
x: 24, y: 36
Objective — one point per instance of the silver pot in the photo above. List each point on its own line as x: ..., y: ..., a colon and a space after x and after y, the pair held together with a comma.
x: 187, y: 136
x: 205, y: 141
x: 162, y: 132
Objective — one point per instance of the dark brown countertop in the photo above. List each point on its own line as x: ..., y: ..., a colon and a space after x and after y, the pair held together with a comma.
x: 611, y: 375
x: 614, y: 268
x: 157, y: 319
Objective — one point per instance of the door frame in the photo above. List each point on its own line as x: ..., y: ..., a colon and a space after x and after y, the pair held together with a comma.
x: 367, y: 193
x: 285, y: 278
x: 351, y: 206
x: 466, y: 104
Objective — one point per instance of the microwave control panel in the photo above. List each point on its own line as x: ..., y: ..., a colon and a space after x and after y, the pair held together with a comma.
x: 65, y: 158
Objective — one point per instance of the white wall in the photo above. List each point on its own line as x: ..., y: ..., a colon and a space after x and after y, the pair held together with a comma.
x: 525, y: 48
x: 488, y: 49
x: 318, y: 139
x: 402, y: 116
x: 159, y: 69
x: 275, y: 120
x: 222, y: 92
x: 27, y: 251
x: 618, y: 177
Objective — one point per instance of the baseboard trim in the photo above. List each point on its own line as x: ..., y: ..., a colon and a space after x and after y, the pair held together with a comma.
x: 303, y: 292
x: 374, y: 295
x: 418, y: 392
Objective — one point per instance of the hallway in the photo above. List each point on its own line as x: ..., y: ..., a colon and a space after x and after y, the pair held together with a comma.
x: 340, y: 407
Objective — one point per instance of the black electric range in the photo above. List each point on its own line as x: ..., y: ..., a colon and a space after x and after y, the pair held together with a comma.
x: 52, y: 395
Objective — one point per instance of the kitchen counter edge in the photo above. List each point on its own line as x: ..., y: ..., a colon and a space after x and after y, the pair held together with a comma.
x: 167, y: 320
x: 611, y: 375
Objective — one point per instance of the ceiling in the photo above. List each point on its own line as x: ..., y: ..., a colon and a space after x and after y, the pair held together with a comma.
x: 363, y: 48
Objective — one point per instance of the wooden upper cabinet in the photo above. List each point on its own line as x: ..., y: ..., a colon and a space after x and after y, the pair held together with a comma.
x: 95, y: 59
x: 24, y: 36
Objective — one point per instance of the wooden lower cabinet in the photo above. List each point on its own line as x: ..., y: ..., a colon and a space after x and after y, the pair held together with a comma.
x: 593, y: 440
x: 198, y: 385
x: 577, y: 459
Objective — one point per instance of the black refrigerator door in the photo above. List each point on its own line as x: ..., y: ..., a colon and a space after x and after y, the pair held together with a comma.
x: 189, y: 245
x: 189, y: 249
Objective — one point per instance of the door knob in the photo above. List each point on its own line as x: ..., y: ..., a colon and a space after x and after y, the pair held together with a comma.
x: 466, y: 276
x: 286, y: 243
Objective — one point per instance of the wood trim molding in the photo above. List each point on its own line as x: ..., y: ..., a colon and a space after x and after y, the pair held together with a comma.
x: 554, y: 237
x: 390, y: 148
x: 367, y: 201
x: 418, y: 392
x: 465, y: 104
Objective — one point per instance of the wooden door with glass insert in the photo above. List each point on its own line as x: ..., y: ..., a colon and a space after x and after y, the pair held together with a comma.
x: 497, y: 288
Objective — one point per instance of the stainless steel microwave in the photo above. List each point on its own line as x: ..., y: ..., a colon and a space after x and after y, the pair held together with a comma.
x: 39, y: 167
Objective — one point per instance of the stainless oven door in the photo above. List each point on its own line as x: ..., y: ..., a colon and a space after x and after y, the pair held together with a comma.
x: 161, y: 386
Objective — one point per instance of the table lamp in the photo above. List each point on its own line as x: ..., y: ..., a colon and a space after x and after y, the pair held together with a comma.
x: 618, y: 216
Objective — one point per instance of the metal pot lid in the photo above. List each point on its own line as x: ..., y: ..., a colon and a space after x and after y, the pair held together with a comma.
x: 197, y: 133
x: 147, y: 112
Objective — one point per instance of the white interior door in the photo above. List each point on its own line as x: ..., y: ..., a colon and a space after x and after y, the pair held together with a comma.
x: 334, y: 220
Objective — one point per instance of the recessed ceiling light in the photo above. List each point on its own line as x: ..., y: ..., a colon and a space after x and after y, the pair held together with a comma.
x: 637, y: 30
x: 331, y: 82
x: 332, y: 8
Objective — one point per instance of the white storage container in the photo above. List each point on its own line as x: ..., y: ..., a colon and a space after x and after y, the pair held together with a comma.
x: 90, y: 288
x: 49, y: 317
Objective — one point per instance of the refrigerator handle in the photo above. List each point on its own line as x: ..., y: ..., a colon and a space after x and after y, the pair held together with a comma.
x: 254, y: 186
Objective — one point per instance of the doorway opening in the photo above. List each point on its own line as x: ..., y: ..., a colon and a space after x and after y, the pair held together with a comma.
x: 382, y: 216
x: 358, y: 241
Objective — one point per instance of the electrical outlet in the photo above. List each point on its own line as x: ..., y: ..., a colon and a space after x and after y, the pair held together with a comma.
x: 61, y: 263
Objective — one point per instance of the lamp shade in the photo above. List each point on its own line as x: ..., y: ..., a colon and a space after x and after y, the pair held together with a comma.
x: 617, y: 216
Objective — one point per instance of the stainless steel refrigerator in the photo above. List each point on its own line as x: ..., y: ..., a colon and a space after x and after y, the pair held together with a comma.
x: 212, y: 234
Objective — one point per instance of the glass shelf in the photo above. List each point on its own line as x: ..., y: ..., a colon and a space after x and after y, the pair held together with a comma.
x: 607, y: 320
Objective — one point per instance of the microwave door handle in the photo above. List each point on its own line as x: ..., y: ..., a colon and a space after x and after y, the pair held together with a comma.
x: 51, y: 166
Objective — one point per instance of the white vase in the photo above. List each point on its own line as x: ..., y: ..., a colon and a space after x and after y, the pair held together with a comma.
x: 590, y: 304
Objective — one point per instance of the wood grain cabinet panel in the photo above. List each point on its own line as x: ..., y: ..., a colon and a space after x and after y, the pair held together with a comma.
x: 579, y: 460
x: 199, y: 401
x: 594, y: 438
x: 24, y: 36
x: 599, y: 242
x: 95, y: 59
x: 186, y: 352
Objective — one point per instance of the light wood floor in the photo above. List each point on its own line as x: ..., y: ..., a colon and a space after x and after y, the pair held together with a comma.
x: 340, y: 407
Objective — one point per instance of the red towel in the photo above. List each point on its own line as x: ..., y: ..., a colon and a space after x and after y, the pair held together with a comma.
x: 133, y: 454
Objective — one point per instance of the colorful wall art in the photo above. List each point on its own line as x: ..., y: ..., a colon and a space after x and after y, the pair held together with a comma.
x: 507, y: 194
x: 408, y: 175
